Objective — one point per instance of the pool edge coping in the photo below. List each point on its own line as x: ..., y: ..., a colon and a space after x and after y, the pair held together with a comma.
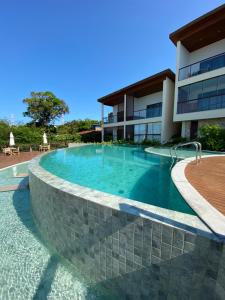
x: 150, y: 151
x: 206, y: 212
x: 176, y: 219
x: 20, y: 163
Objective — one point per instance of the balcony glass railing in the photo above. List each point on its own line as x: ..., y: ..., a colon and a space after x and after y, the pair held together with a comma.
x: 153, y: 111
x: 203, y: 66
x: 119, y: 117
x: 209, y: 103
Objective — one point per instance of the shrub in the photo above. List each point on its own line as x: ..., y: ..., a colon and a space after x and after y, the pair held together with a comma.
x: 92, y: 137
x: 27, y: 135
x: 151, y: 143
x: 212, y: 137
x: 65, y: 138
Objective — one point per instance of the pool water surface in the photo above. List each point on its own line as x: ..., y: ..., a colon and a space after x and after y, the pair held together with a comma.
x: 128, y: 172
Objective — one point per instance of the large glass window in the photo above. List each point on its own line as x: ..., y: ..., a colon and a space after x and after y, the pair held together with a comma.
x: 183, y: 93
x: 139, y: 133
x: 209, y: 87
x: 195, y: 91
x: 205, y: 95
x: 150, y: 131
x: 221, y: 85
x: 154, y: 131
x: 140, y: 129
x: 154, y: 110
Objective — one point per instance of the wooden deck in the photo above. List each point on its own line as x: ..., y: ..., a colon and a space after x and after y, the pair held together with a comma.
x: 208, y: 178
x: 8, y: 160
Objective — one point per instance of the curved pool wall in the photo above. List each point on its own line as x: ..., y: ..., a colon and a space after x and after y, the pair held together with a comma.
x: 137, y: 250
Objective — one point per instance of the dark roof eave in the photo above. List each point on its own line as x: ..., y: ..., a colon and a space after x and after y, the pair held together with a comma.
x: 195, y: 24
x: 154, y: 78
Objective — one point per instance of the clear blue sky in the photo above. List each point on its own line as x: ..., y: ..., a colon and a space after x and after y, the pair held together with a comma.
x: 84, y: 49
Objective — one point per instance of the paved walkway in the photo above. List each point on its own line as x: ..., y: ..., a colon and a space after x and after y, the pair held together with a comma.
x: 8, y: 160
x: 208, y: 178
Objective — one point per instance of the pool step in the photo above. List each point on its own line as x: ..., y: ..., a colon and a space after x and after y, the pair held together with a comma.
x: 15, y: 187
x: 21, y: 175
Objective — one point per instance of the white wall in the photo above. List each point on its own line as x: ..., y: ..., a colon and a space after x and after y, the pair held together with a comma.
x: 184, y: 57
x: 207, y: 51
x: 169, y: 128
x: 142, y: 102
x: 115, y: 109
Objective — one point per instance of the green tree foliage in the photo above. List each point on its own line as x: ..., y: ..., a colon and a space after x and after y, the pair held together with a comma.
x: 212, y: 137
x: 44, y: 108
x: 76, y: 126
x: 58, y: 136
x: 4, y: 132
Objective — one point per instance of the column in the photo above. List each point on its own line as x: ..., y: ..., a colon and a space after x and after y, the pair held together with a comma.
x: 125, y: 116
x: 102, y: 122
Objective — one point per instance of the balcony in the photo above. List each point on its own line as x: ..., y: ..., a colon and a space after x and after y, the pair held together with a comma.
x: 119, y: 117
x: 203, y: 66
x: 152, y: 111
x: 203, y: 104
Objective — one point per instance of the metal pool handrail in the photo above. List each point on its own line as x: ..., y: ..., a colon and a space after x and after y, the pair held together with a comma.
x: 198, y: 151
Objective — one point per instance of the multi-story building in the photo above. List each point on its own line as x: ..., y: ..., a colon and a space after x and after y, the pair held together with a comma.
x: 200, y: 72
x: 142, y: 111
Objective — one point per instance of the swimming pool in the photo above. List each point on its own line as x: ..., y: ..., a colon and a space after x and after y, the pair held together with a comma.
x: 123, y: 171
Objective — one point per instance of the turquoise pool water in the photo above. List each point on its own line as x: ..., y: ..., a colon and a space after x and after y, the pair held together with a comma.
x: 29, y: 268
x: 124, y: 171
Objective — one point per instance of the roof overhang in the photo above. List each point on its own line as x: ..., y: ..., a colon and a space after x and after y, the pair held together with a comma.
x: 203, y: 31
x: 139, y: 89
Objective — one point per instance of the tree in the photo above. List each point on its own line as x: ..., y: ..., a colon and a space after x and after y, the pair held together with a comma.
x: 44, y: 108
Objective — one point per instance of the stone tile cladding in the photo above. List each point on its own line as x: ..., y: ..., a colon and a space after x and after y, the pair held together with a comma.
x: 136, y: 257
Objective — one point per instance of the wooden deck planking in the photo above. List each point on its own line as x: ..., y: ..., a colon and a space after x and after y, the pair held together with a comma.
x: 6, y: 161
x: 208, y: 178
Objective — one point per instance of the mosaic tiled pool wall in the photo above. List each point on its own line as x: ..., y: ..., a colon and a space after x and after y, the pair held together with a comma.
x: 137, y: 258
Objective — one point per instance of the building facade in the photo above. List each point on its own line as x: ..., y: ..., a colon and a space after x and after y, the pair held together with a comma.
x: 141, y: 111
x: 168, y: 104
x: 200, y: 73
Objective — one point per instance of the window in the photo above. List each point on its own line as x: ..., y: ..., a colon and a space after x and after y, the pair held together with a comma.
x: 183, y: 93
x: 154, y: 110
x: 139, y: 129
x: 154, y: 131
x: 154, y: 128
x: 209, y: 87
x: 205, y: 95
x: 221, y: 85
x: 195, y: 91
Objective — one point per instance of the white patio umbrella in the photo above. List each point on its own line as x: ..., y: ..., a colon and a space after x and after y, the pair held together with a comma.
x: 11, y: 140
x: 45, y: 141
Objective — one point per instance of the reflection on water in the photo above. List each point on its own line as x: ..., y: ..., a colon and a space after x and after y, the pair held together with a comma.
x: 118, y: 170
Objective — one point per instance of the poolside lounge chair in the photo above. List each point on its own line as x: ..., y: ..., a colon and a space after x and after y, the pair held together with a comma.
x: 44, y: 147
x: 7, y: 151
x: 15, y: 150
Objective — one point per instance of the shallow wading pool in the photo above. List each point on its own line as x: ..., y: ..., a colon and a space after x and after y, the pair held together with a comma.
x: 123, y: 171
